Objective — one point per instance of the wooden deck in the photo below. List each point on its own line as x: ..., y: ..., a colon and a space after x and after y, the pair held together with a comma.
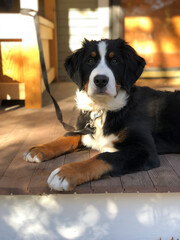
x: 21, y: 128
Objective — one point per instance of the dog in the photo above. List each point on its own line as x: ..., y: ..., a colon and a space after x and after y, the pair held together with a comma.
x: 128, y: 125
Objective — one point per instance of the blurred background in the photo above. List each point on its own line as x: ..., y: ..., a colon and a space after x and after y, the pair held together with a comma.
x: 152, y: 27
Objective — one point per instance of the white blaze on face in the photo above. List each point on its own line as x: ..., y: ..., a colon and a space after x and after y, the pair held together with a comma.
x: 102, y: 69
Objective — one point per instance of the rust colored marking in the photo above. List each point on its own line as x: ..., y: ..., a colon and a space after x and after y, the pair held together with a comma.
x: 93, y: 54
x: 118, y: 87
x: 85, y: 171
x: 86, y: 86
x: 56, y: 148
x: 111, y: 54
x: 122, y: 135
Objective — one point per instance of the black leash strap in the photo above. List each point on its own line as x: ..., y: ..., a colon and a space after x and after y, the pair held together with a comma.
x: 59, y: 115
x: 88, y: 129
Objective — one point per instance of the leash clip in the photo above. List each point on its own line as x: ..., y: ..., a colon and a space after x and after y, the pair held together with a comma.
x: 90, y: 129
x: 96, y: 115
x: 90, y: 125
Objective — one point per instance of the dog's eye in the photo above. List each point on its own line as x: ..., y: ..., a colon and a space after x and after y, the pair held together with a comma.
x: 114, y: 61
x: 91, y: 61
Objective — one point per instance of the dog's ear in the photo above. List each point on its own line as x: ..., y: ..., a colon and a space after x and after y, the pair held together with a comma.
x: 134, y: 65
x: 73, y: 65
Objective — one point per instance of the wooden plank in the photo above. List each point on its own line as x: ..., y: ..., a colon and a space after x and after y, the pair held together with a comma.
x: 32, y: 69
x: 15, y: 127
x: 23, y: 127
x: 50, y: 14
x: 164, y: 178
x: 13, y: 90
x: 16, y: 116
x: 17, y: 176
x: 38, y: 183
x: 106, y: 184
x: 46, y: 51
x: 10, y: 147
x: 11, y: 61
x: 46, y: 22
x: 10, y: 40
x: 78, y: 157
x: 31, y: 126
x: 174, y: 160
x: 51, y: 77
x: 137, y: 182
x: 44, y: 169
x: 51, y: 74
x: 46, y: 32
x: 32, y: 121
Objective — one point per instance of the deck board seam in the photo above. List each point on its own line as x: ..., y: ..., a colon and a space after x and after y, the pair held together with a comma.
x: 154, y: 186
x: 123, y: 187
x: 11, y: 162
x: 172, y: 167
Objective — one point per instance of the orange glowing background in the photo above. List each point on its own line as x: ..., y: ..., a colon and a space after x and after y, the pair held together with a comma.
x: 154, y: 32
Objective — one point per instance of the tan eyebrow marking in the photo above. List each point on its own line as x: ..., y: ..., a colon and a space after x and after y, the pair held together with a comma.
x: 111, y: 54
x: 93, y: 54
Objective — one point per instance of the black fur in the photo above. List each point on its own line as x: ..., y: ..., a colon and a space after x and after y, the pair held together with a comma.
x: 151, y: 119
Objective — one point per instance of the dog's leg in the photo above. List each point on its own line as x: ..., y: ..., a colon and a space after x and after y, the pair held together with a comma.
x: 70, y: 175
x: 53, y: 149
x: 133, y: 157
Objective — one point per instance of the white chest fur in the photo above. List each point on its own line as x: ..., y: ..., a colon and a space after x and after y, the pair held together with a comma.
x: 97, y: 141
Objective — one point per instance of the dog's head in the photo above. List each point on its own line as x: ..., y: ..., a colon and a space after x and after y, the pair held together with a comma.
x: 104, y: 67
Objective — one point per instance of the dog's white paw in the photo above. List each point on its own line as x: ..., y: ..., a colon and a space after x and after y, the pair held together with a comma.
x: 38, y: 154
x: 56, y: 182
x: 29, y: 158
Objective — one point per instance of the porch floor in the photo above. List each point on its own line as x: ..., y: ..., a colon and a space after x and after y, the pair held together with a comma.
x: 21, y: 128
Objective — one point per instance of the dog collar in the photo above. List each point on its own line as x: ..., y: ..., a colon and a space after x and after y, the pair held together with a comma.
x: 90, y: 126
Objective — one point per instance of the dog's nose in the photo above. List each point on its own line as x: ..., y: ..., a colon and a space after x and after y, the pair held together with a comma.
x: 101, y: 81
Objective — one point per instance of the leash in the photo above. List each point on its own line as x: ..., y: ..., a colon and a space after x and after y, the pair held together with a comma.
x: 88, y: 129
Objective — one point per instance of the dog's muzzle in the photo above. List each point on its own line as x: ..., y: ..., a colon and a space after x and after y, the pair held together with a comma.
x: 101, y: 81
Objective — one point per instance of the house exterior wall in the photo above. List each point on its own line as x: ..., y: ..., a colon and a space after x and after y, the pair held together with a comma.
x: 76, y: 20
x: 90, y: 216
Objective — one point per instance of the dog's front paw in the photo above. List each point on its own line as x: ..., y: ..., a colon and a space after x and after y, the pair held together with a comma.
x: 56, y: 182
x: 64, y: 178
x: 37, y: 154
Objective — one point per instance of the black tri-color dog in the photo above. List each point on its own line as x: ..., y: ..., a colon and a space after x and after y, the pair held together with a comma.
x: 130, y: 125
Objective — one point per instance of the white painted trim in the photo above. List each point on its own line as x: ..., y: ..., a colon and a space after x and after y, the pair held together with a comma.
x: 90, y: 216
x: 103, y: 18
x: 33, y: 4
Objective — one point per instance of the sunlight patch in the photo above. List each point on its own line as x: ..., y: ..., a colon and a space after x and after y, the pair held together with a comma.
x: 88, y: 218
x: 146, y: 215
x: 112, y: 209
